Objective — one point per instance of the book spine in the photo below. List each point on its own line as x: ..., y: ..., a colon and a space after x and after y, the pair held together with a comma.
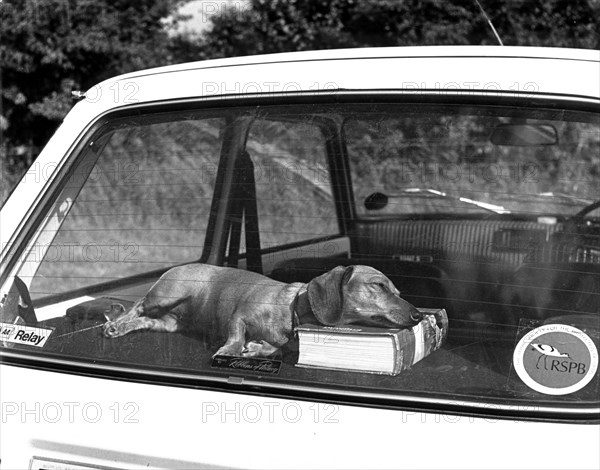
x: 419, y: 339
x: 404, y: 350
x: 410, y: 346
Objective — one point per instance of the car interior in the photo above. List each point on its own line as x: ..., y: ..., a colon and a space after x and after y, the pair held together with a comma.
x: 488, y: 210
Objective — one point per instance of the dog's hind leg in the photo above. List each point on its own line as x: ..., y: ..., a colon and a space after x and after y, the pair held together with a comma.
x: 168, y: 323
x: 115, y: 324
x: 118, y: 312
x: 146, y: 314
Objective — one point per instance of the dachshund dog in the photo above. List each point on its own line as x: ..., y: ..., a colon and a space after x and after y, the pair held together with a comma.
x: 255, y: 315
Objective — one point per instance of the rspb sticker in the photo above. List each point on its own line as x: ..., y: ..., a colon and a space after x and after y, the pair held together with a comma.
x: 22, y: 334
x: 556, y: 359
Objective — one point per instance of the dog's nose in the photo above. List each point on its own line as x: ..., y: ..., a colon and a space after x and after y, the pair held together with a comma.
x: 415, y: 315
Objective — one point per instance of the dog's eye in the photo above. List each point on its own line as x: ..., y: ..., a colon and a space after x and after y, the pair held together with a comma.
x: 381, y: 285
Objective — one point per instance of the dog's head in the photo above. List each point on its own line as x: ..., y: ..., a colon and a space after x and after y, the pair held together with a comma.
x: 359, y: 294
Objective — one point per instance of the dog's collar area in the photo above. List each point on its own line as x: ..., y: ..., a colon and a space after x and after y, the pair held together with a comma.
x: 295, y: 318
x: 295, y: 324
x: 300, y: 309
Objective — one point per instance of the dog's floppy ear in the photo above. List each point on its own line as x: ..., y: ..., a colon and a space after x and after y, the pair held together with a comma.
x: 325, y: 294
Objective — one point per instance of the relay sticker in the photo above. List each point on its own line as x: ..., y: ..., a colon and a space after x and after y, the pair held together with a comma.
x: 556, y: 359
x: 22, y: 334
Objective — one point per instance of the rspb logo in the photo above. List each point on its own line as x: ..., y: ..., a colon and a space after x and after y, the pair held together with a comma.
x: 556, y: 359
x: 22, y: 334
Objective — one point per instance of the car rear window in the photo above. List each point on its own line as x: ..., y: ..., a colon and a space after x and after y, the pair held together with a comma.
x: 143, y: 205
x: 396, y: 252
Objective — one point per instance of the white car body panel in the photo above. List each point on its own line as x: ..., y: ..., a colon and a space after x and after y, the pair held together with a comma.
x: 191, y: 428
x: 184, y: 428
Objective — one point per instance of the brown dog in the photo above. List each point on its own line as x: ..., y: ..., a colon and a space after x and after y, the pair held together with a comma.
x: 256, y: 315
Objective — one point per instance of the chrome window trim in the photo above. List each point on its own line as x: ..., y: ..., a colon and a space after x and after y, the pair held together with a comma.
x: 256, y: 387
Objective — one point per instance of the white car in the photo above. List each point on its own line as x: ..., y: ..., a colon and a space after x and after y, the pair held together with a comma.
x: 468, y: 176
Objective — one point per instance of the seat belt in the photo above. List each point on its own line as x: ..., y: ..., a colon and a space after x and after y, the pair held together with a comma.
x: 245, y: 208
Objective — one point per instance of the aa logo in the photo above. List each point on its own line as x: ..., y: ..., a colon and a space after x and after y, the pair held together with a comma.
x: 7, y: 331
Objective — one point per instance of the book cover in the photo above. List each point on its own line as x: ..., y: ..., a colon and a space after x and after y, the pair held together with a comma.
x: 371, y: 349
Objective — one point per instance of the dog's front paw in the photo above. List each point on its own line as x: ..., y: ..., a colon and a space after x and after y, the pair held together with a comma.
x: 253, y: 348
x: 228, y: 351
x: 258, y: 348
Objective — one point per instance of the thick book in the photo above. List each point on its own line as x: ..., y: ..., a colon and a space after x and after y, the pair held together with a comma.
x: 368, y: 349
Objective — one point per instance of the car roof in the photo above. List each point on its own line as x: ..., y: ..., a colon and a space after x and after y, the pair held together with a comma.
x: 382, y: 52
x: 431, y: 68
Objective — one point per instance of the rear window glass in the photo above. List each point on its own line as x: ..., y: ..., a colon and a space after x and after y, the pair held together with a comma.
x: 432, y: 252
x: 143, y: 206
x: 545, y: 165
x: 293, y: 186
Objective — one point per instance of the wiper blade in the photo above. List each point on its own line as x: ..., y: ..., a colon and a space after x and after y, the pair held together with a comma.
x: 566, y: 197
x: 484, y: 205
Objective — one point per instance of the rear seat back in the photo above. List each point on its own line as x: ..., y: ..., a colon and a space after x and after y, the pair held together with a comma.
x: 418, y: 283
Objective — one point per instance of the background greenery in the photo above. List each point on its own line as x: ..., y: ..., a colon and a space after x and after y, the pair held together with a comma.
x: 50, y: 47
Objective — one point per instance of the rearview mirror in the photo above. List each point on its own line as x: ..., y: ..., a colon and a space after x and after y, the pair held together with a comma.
x: 524, y: 135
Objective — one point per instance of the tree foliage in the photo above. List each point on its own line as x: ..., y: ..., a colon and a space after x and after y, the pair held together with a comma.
x: 50, y: 47
x: 279, y: 25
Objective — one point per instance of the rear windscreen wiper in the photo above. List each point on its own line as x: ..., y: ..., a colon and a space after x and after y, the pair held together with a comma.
x: 378, y: 200
x: 565, y: 197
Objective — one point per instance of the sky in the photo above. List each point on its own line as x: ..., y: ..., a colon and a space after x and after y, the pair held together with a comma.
x: 200, y: 12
